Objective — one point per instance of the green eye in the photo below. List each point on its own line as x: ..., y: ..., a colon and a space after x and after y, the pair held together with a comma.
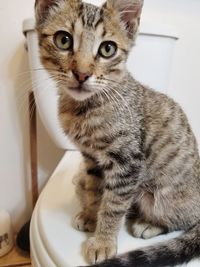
x: 63, y: 40
x: 108, y: 49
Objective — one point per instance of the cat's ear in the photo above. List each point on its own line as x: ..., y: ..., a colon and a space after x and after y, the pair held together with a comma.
x: 42, y: 7
x: 129, y: 12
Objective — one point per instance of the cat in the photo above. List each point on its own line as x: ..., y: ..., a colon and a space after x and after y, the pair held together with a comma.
x: 141, y: 156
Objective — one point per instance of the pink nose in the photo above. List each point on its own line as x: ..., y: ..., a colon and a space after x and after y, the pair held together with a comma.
x: 81, y: 77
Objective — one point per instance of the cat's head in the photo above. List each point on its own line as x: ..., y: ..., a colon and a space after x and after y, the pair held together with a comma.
x: 85, y: 47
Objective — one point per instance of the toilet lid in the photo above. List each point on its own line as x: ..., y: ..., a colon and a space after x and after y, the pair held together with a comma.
x: 54, y: 242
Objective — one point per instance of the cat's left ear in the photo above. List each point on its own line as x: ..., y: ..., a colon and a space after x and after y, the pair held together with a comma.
x: 129, y: 13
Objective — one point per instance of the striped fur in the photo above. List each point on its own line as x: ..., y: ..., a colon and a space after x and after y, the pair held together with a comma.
x: 141, y: 157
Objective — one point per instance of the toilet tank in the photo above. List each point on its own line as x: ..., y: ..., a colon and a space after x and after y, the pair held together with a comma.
x: 150, y: 62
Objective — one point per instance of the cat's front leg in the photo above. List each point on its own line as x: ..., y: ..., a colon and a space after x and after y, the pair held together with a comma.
x: 116, y: 200
x: 104, y: 243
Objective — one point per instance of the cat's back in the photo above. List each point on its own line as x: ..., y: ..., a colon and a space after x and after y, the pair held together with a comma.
x: 165, y: 118
x: 170, y: 145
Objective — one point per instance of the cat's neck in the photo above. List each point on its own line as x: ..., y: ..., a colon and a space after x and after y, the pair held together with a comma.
x: 73, y: 106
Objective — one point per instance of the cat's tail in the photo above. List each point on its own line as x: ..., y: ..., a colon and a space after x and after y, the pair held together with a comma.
x: 179, y: 250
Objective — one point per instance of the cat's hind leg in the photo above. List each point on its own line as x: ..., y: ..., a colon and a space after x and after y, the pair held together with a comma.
x: 145, y: 230
x: 84, y: 222
x: 89, y: 190
x: 90, y: 199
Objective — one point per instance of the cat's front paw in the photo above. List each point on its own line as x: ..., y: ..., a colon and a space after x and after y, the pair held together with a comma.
x: 84, y: 223
x: 97, y: 250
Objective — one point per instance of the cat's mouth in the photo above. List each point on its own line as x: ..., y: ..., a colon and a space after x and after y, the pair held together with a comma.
x: 80, y: 92
x: 79, y: 89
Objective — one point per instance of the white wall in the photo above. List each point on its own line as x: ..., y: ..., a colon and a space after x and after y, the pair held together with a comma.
x: 184, y: 17
x: 14, y: 139
x: 15, y: 82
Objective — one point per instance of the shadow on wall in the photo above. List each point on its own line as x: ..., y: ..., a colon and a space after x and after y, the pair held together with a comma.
x: 48, y: 154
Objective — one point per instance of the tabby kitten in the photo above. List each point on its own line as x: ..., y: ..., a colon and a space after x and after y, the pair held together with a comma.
x: 140, y: 153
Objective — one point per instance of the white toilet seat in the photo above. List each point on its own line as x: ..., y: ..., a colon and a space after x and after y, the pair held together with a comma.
x: 54, y: 242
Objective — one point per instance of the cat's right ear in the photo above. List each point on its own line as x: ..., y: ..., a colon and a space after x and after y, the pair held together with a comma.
x: 42, y: 8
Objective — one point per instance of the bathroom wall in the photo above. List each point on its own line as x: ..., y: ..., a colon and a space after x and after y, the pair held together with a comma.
x: 183, y: 15
x: 15, y: 187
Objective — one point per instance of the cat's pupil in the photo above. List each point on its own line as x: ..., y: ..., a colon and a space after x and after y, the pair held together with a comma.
x: 108, y: 48
x: 64, y: 40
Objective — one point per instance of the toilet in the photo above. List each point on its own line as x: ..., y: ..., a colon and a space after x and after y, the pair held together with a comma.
x: 54, y: 242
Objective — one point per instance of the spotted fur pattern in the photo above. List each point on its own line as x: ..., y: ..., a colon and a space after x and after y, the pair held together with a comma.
x: 141, y: 157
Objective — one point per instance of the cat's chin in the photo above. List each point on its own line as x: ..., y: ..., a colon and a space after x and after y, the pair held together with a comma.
x: 79, y: 94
